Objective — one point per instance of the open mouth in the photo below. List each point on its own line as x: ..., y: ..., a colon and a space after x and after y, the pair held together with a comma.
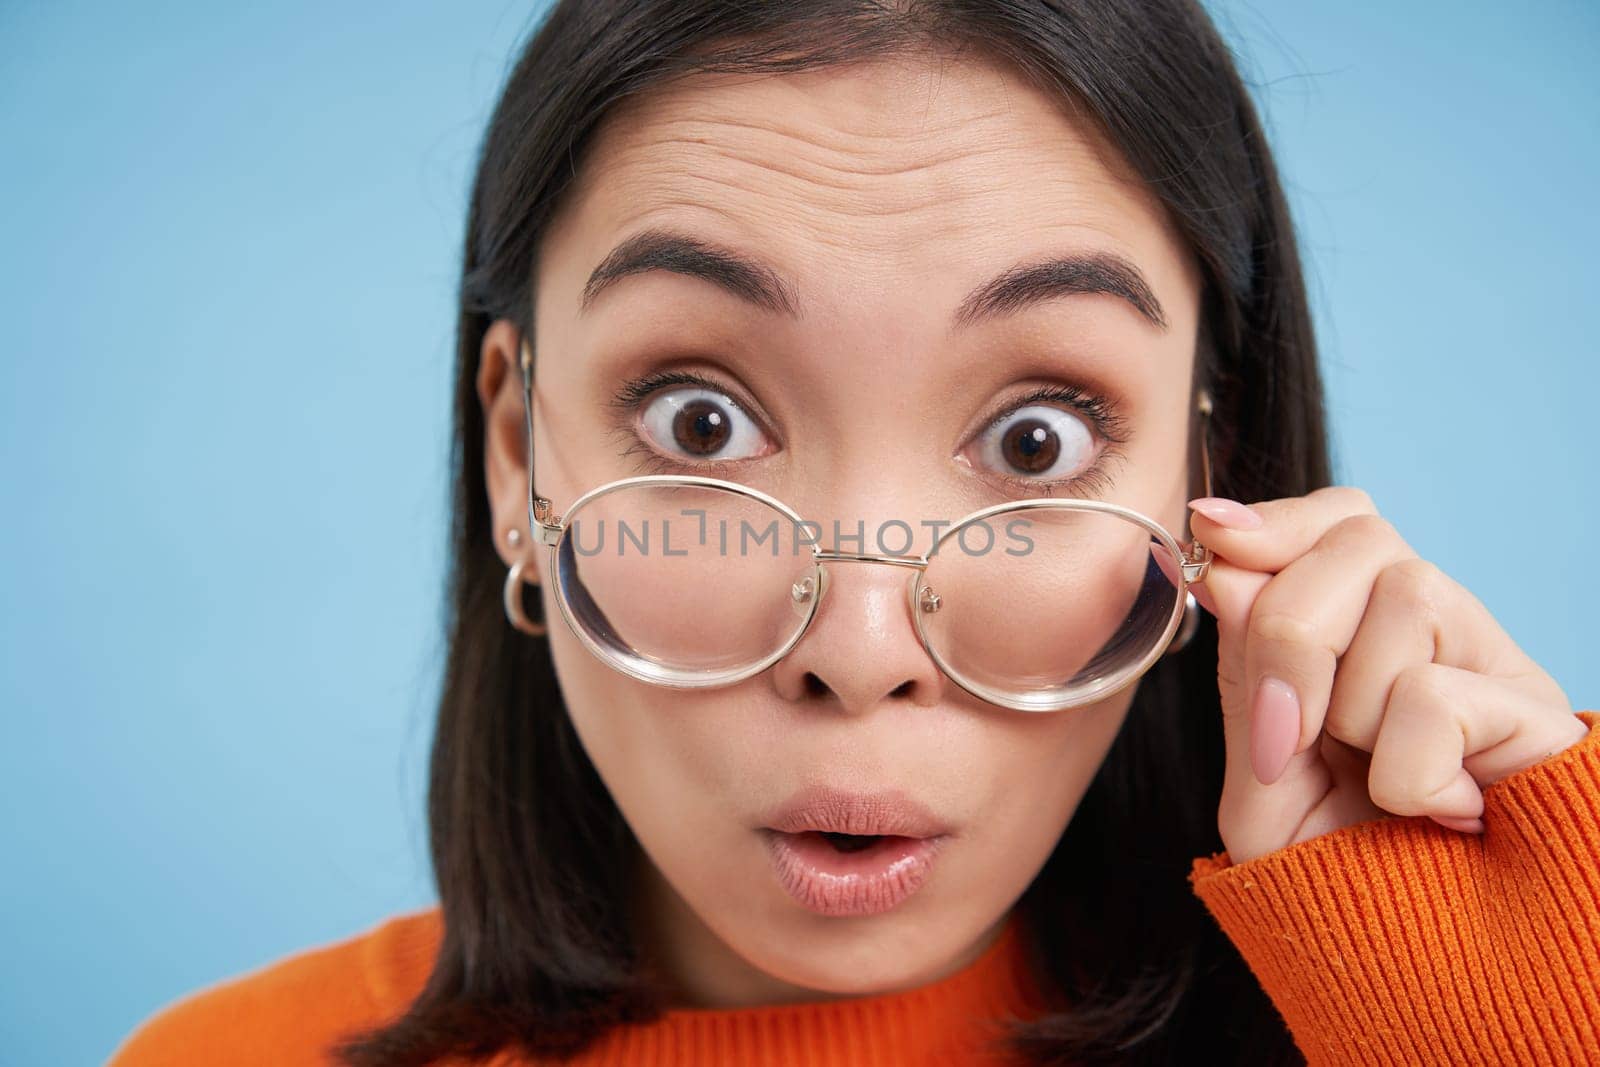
x: 847, y: 844
x: 850, y: 842
x: 839, y: 874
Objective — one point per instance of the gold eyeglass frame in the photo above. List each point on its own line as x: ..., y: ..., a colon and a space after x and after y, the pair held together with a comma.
x: 549, y: 529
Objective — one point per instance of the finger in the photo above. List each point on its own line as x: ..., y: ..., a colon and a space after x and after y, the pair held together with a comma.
x: 1300, y: 625
x: 1416, y: 615
x: 1231, y: 591
x: 1289, y: 526
x: 1448, y: 733
x: 1346, y: 802
x: 1428, y: 727
x: 1253, y: 818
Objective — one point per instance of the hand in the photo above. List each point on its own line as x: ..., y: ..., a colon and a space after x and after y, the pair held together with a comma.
x: 1391, y: 688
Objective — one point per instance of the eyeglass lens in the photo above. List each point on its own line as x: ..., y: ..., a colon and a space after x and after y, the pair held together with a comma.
x: 693, y: 585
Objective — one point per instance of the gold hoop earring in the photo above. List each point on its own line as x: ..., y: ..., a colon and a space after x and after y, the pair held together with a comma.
x: 513, y: 601
x: 1186, y: 628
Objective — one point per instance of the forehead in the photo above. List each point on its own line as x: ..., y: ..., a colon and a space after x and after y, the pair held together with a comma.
x: 854, y: 178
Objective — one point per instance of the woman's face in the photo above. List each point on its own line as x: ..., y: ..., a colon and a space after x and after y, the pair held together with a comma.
x: 867, y: 385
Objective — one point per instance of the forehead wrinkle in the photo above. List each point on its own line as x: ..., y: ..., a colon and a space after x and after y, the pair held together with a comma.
x: 883, y: 189
x: 928, y: 141
x: 823, y: 154
x: 826, y: 136
x: 646, y: 179
x: 962, y: 218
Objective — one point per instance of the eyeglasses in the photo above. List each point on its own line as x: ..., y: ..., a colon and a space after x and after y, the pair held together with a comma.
x: 1034, y: 605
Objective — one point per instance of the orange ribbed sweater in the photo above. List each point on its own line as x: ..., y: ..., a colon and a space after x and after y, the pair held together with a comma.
x: 1393, y: 941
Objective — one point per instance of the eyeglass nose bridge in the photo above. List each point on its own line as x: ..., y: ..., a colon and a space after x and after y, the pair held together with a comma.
x: 802, y: 590
x: 919, y: 562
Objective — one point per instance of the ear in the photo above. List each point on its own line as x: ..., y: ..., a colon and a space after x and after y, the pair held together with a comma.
x: 505, y: 444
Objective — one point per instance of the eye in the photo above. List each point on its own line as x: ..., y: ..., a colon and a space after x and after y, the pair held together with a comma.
x: 697, y: 422
x: 1037, y: 442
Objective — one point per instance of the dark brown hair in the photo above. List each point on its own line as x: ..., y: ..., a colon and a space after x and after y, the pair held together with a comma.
x: 534, y: 862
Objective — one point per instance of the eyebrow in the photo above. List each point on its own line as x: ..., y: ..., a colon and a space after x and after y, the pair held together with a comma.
x: 759, y: 285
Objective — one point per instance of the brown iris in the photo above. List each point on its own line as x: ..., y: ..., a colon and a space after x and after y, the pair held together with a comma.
x: 700, y: 427
x: 1031, y: 446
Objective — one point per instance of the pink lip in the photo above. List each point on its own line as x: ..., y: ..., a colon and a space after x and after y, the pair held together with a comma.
x: 840, y: 884
x: 869, y: 881
x: 841, y: 812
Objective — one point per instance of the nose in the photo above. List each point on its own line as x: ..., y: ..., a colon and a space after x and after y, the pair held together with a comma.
x: 862, y: 645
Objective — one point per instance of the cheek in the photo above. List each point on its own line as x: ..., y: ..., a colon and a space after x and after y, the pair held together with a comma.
x: 598, y: 704
x: 663, y: 754
x: 1042, y: 765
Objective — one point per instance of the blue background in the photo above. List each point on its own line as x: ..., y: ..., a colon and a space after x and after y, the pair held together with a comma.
x: 230, y: 244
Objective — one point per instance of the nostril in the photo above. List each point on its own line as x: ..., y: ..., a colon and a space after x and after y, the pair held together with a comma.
x: 815, y: 686
x: 902, y: 689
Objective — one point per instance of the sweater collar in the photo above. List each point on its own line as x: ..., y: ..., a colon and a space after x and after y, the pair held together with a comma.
x: 945, y: 1021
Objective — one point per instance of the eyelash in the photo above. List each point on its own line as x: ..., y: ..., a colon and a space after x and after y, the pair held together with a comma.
x: 632, y: 395
x: 1108, y: 422
x: 636, y: 392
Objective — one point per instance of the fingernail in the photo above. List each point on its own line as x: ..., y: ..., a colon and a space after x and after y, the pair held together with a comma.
x: 1466, y: 826
x: 1225, y: 512
x: 1274, y: 729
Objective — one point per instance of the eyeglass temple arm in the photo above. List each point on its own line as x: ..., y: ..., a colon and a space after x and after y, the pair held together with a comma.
x: 1198, y: 561
x: 542, y: 522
